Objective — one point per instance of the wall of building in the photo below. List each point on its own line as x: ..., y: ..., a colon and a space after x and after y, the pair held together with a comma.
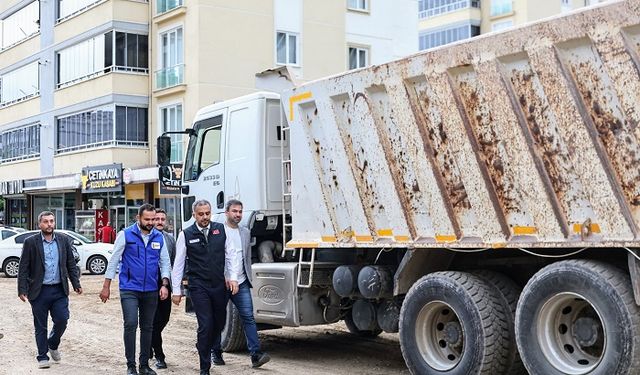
x: 388, y: 38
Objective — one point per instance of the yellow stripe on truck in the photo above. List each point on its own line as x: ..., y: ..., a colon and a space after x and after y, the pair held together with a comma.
x: 522, y: 230
x: 296, y: 98
x: 445, y: 238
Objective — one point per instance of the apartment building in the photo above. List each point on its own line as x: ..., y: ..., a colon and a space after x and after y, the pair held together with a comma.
x: 446, y: 21
x: 86, y: 86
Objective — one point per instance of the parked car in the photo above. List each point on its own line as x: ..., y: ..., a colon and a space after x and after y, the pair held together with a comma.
x: 93, y: 255
x: 6, y: 232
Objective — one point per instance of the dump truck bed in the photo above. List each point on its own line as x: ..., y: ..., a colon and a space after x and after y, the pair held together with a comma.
x: 524, y: 138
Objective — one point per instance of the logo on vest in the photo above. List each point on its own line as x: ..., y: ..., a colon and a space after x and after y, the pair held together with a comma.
x: 155, y: 245
x: 215, y: 231
x: 195, y: 240
x: 271, y: 295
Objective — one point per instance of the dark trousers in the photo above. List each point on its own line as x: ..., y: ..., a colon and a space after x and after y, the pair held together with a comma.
x: 209, y: 303
x: 138, y: 308
x: 52, y: 300
x: 244, y: 304
x: 163, y: 312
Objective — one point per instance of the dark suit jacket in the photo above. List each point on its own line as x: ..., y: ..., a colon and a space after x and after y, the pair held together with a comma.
x: 31, y: 271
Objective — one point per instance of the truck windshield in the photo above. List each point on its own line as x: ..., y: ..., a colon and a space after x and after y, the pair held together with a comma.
x: 204, y: 147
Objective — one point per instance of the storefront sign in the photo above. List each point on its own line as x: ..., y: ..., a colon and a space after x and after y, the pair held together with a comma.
x: 11, y: 187
x: 171, y: 185
x: 39, y: 184
x: 103, y: 178
x: 102, y: 219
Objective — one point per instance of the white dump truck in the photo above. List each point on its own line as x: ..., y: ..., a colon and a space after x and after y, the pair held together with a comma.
x: 481, y: 199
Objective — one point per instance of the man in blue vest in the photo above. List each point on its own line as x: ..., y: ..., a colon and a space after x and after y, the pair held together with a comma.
x: 141, y: 252
x: 202, y: 247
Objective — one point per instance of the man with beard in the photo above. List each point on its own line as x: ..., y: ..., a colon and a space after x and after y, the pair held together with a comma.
x: 163, y: 312
x: 46, y: 263
x: 202, y: 246
x: 238, y: 276
x: 142, y: 254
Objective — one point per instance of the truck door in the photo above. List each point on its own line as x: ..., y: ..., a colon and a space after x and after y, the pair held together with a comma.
x: 204, y: 165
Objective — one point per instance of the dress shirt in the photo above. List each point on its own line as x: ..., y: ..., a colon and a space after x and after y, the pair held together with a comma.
x: 51, y: 260
x: 178, y: 264
x: 234, y: 265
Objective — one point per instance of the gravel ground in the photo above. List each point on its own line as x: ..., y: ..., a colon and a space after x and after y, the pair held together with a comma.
x: 93, y: 343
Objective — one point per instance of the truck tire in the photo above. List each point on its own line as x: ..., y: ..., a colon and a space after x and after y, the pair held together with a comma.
x: 351, y: 326
x: 579, y: 317
x: 454, y: 323
x: 510, y: 292
x: 232, y: 337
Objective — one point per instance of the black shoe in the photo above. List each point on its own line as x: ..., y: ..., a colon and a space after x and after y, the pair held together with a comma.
x: 131, y: 370
x: 258, y: 359
x: 216, y: 358
x: 161, y: 364
x: 204, y: 372
x: 146, y: 370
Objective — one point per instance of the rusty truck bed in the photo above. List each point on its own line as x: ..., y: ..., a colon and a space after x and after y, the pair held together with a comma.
x: 525, y: 138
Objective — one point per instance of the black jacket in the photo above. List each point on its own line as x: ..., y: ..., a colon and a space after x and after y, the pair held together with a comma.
x: 31, y: 271
x: 205, y: 258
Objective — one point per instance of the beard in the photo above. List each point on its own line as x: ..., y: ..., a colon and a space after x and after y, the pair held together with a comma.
x: 148, y: 227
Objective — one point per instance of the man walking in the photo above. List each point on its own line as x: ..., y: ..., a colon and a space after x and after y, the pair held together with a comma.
x: 202, y: 245
x: 46, y: 263
x: 142, y: 253
x: 107, y: 234
x: 163, y: 311
x: 238, y: 276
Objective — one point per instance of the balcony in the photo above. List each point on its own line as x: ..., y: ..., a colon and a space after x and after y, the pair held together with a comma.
x: 448, y: 8
x: 163, y: 6
x: 168, y: 77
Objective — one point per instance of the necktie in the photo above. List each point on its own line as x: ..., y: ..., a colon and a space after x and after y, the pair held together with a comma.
x: 205, y: 233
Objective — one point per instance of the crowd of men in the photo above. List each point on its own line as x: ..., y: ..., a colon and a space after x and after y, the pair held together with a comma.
x: 214, y: 258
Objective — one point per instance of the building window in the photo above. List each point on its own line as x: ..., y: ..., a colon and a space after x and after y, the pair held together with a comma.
x: 21, y: 143
x: 99, y: 127
x: 102, y: 54
x: 499, y: 7
x: 171, y: 71
x: 432, y: 8
x: 171, y: 121
x: 132, y: 126
x: 20, y: 25
x: 286, y: 48
x: 441, y: 37
x: 19, y: 84
x: 163, y: 6
x: 68, y: 8
x: 358, y: 4
x: 497, y: 26
x: 358, y: 57
x: 131, y: 51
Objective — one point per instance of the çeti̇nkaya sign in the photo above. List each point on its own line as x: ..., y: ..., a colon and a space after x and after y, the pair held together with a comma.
x: 102, y: 178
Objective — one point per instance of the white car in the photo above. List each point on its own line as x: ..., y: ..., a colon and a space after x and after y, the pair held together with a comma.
x: 6, y: 232
x: 93, y: 255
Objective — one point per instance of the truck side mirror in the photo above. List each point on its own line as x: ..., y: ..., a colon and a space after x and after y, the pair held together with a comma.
x: 164, y: 150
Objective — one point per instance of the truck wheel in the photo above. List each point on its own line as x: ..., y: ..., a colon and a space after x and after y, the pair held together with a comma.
x: 454, y: 323
x: 579, y: 317
x: 233, y: 339
x: 510, y: 291
x: 351, y: 326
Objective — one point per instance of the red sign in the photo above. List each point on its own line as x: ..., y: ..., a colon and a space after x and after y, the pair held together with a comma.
x: 102, y: 218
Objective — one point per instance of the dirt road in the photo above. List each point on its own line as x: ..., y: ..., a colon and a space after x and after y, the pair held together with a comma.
x: 93, y: 343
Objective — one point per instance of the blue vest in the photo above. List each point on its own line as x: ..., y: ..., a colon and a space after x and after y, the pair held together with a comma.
x: 139, y: 269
